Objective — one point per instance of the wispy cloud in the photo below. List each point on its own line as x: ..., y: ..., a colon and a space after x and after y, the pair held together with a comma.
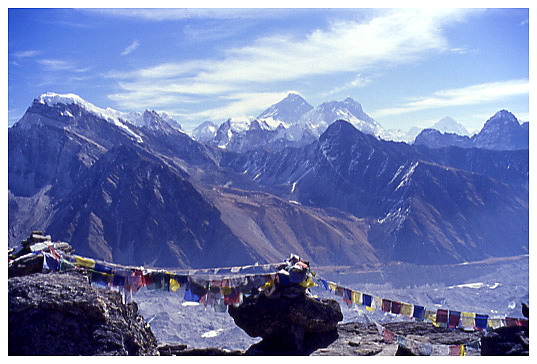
x: 26, y: 54
x: 358, y: 81
x: 470, y: 95
x: 190, y: 13
x: 463, y: 50
x: 131, y: 48
x: 239, y: 104
x: 61, y: 65
x: 390, y: 38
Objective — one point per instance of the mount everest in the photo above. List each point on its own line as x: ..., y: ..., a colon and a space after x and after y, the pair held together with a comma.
x: 136, y: 189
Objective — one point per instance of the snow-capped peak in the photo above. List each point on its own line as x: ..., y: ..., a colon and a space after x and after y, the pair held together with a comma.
x: 349, y: 110
x: 450, y: 125
x: 287, y: 111
x: 115, y: 117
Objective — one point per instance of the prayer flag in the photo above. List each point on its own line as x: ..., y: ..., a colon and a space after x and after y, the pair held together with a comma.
x: 190, y: 296
x: 454, y: 318
x: 234, y: 298
x: 135, y: 281
x: 174, y: 285
x: 406, y: 309
x: 396, y: 307
x: 495, y: 323
x: 441, y: 317
x: 481, y: 321
x: 308, y: 283
x: 357, y: 297
x: 102, y: 268
x: 377, y: 303
x: 339, y: 291
x: 366, y: 300
x: 85, y: 262
x: 430, y: 316
x: 456, y: 350
x: 324, y: 283
x: 388, y: 335
x: 467, y: 320
x: 100, y: 279
x: 419, y: 313
x: 347, y: 296
x: 386, y: 305
x: 50, y: 264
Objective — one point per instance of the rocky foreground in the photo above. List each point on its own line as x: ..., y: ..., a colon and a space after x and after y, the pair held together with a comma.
x: 63, y: 314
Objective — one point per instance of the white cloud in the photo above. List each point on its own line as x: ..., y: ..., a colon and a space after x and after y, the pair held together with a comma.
x: 26, y: 54
x: 469, y: 95
x: 358, y: 81
x: 240, y: 104
x: 190, y: 13
x: 61, y: 65
x: 131, y: 48
x: 391, y: 37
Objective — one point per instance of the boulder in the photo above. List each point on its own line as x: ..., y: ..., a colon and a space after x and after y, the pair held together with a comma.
x: 289, y: 321
x: 512, y: 340
x: 62, y: 314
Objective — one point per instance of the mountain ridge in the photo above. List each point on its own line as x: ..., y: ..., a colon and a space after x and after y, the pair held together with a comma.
x: 345, y: 198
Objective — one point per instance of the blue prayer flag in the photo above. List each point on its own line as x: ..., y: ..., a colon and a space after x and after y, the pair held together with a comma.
x: 419, y: 312
x: 366, y: 300
x: 481, y: 321
x: 190, y: 296
x: 102, y: 269
x: 324, y: 283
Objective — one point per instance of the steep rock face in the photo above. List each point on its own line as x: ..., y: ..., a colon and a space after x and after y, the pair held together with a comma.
x: 133, y: 208
x: 502, y: 132
x: 62, y: 314
x: 444, y: 214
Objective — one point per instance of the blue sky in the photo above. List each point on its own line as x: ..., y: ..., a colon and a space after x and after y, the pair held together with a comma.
x: 407, y: 67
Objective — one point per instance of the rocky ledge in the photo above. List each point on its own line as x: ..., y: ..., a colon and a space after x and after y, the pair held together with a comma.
x: 62, y: 314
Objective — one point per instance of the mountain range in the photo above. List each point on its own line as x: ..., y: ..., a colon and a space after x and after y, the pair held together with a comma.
x: 135, y: 189
x: 290, y: 122
x: 501, y: 132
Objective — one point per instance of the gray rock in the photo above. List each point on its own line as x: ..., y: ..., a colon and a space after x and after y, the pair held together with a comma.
x: 62, y: 314
x: 288, y: 321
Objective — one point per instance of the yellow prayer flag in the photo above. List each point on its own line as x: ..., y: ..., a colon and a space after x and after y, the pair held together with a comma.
x: 467, y: 319
x: 357, y: 297
x: 85, y: 262
x: 495, y: 323
x: 406, y: 309
x: 174, y: 285
x: 308, y: 283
